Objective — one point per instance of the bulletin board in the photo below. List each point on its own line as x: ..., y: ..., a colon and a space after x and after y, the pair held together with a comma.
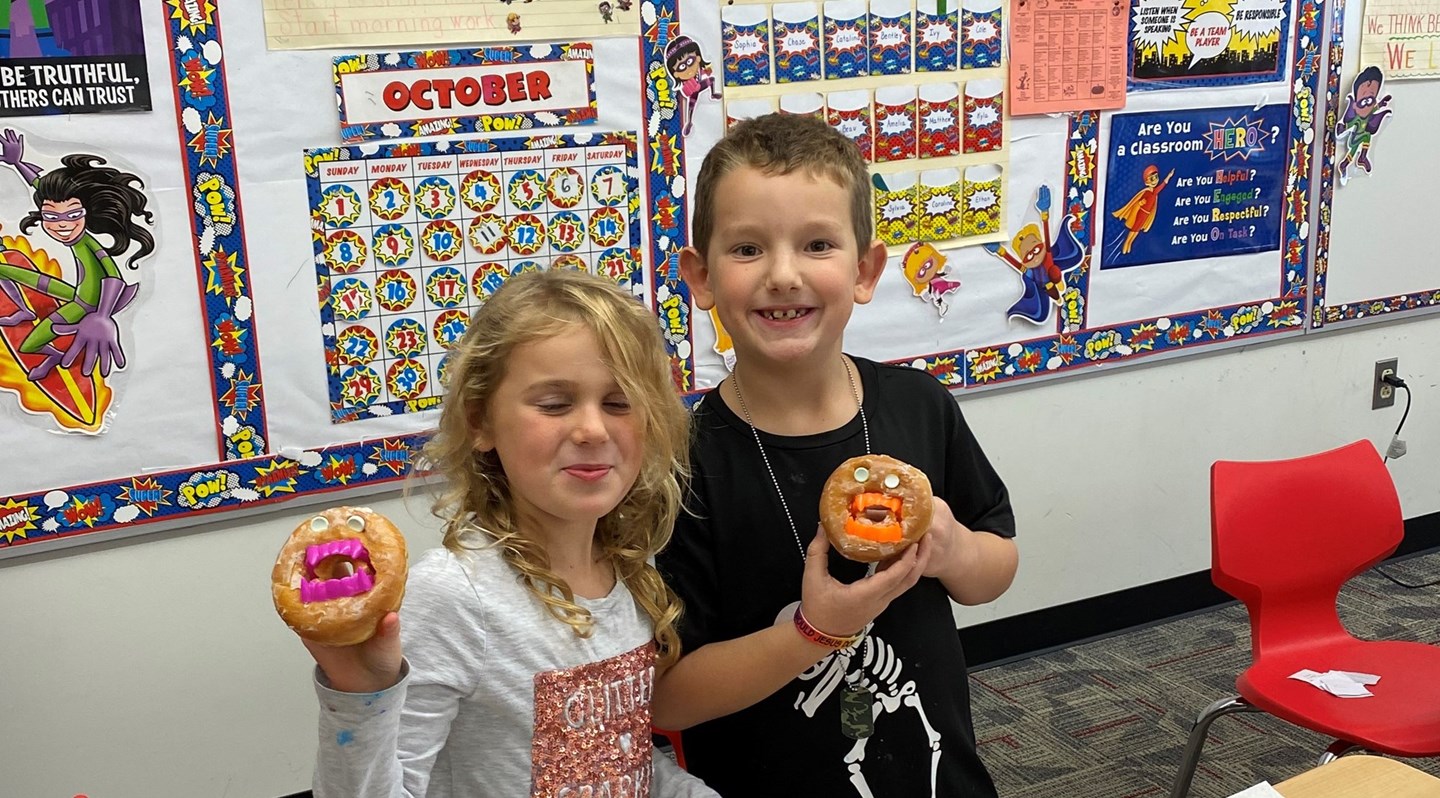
x: 1379, y: 162
x: 1216, y: 251
x: 317, y: 247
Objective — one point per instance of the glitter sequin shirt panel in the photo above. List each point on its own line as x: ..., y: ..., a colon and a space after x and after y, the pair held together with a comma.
x: 501, y: 700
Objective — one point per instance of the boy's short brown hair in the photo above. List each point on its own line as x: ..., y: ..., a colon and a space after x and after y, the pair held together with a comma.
x: 779, y: 144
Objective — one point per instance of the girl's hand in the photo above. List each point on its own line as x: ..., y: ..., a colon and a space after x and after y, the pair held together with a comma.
x: 367, y: 667
x: 838, y: 609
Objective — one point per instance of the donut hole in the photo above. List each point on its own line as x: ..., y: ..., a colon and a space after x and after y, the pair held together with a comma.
x: 879, y: 514
x: 338, y: 566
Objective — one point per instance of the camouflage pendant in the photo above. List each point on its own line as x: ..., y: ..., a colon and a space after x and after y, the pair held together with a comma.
x: 857, y: 718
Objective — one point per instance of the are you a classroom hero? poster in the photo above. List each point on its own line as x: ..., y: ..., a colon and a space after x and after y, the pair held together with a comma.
x: 1185, y: 185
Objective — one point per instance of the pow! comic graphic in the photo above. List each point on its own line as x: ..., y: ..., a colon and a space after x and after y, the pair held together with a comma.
x: 61, y: 318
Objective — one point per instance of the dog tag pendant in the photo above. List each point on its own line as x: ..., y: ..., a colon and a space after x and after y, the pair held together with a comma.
x: 857, y: 718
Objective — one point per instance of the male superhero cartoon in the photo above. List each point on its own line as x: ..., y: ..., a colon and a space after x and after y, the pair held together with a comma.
x: 1361, y: 120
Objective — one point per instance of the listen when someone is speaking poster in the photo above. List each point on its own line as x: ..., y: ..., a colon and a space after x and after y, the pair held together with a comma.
x: 71, y: 57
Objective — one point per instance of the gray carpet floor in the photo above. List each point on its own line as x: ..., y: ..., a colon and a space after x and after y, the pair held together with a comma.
x: 1109, y: 718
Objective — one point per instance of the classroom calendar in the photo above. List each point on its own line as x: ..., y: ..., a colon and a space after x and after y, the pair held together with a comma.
x: 411, y: 238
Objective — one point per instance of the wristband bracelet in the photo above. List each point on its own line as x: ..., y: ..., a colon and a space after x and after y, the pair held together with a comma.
x: 820, y: 638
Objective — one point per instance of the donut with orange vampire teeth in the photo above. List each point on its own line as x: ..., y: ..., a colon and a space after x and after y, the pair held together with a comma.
x: 338, y: 574
x: 873, y: 507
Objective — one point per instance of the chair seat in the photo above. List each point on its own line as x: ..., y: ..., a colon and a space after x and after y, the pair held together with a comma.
x: 1403, y: 716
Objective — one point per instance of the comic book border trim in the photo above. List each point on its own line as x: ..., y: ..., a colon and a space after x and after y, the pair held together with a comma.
x: 666, y: 190
x: 1322, y: 314
x: 221, y: 259
x: 479, y: 123
x: 90, y: 509
x: 340, y: 412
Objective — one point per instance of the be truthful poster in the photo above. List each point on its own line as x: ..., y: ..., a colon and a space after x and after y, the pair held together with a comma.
x: 71, y: 57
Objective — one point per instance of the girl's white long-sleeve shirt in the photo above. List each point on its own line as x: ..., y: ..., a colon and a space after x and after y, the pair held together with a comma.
x: 499, y: 698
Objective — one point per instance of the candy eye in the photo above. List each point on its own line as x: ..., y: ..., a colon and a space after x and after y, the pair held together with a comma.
x: 319, y: 524
x: 892, y: 481
x: 862, y: 474
x: 356, y: 523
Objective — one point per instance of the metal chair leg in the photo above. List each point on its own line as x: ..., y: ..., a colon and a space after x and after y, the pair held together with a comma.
x: 1191, y: 758
x: 1338, y: 749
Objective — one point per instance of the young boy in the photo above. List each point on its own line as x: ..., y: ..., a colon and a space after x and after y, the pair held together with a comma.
x: 864, y: 693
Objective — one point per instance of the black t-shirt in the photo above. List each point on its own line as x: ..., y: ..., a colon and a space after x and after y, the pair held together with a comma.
x: 737, y: 566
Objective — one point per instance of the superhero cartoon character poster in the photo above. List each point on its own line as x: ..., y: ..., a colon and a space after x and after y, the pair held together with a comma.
x: 1043, y: 258
x: 72, y: 57
x: 64, y: 314
x: 1365, y: 111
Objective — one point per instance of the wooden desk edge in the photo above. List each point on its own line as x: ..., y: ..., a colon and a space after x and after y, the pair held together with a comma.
x: 1360, y: 776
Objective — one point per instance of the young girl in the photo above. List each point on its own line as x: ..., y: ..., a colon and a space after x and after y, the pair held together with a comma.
x: 532, y: 639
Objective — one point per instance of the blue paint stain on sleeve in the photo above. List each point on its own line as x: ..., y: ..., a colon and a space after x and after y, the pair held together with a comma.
x: 344, y: 737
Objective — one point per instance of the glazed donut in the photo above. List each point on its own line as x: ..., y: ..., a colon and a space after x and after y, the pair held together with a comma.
x: 873, y: 507
x: 338, y: 574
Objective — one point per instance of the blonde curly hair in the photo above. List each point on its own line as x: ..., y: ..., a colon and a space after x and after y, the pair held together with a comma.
x: 476, y: 495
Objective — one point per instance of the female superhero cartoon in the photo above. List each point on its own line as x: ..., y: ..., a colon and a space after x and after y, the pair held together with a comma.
x: 72, y: 204
x: 924, y: 268
x: 690, y: 69
x: 1042, y: 266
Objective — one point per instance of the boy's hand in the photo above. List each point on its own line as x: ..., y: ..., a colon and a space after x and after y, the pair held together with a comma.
x: 367, y: 667
x: 947, y: 540
x: 839, y: 609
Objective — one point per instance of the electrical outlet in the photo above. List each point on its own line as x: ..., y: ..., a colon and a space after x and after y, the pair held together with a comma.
x: 1383, y: 394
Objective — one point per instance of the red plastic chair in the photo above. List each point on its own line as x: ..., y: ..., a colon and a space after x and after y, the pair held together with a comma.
x: 672, y: 737
x: 1285, y: 536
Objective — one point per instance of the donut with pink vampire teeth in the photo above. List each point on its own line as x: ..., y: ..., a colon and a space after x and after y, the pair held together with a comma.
x: 338, y: 574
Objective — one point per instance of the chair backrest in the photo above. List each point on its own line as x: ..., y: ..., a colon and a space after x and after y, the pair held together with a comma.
x: 1287, y: 534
